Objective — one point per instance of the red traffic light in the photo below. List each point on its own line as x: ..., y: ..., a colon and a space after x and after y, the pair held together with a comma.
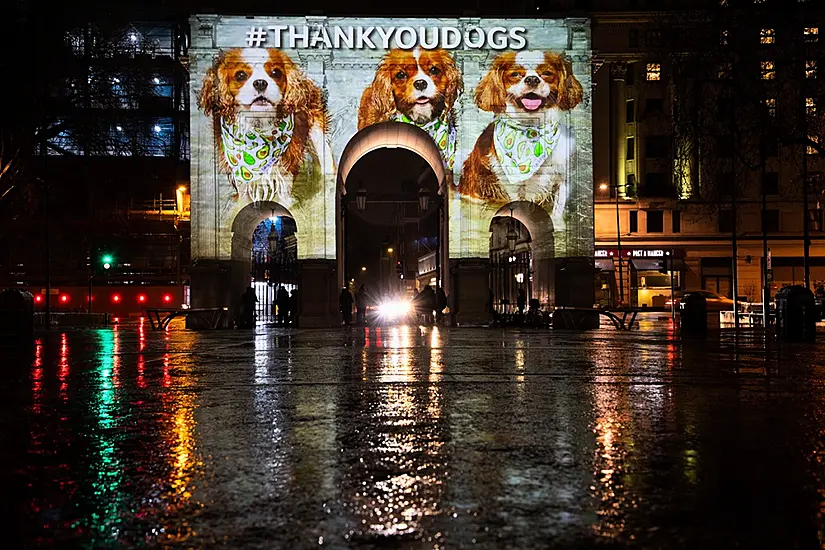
x: 141, y: 298
x: 167, y: 298
x: 38, y: 298
x: 64, y: 298
x: 116, y: 298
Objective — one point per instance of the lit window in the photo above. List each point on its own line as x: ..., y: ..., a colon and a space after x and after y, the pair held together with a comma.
x: 770, y: 104
x: 723, y: 38
x: 758, y: 1
x: 653, y: 71
x: 724, y: 70
x: 767, y: 36
x: 810, y: 68
x: 723, y: 3
x: 810, y: 106
x: 768, y: 70
x: 811, y: 34
x: 811, y: 149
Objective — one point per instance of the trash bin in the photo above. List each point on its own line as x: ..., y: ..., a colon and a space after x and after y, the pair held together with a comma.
x: 693, y: 313
x: 16, y: 317
x: 796, y: 314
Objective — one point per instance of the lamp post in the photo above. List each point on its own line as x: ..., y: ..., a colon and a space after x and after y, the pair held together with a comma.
x: 604, y: 187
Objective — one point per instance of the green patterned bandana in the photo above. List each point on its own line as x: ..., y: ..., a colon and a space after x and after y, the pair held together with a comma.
x: 252, y: 153
x: 523, y: 149
x: 442, y: 132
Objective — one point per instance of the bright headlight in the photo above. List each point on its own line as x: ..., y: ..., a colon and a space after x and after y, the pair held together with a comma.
x: 393, y: 309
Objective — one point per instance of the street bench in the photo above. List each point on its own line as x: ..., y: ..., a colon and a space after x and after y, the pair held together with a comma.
x: 625, y: 322
x: 160, y: 318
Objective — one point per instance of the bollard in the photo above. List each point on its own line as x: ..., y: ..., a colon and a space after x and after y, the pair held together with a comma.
x: 693, y: 314
x: 796, y: 314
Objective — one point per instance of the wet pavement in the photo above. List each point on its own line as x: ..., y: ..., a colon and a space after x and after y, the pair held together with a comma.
x: 412, y: 437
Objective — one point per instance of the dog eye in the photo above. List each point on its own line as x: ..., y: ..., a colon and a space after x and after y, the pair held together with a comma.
x: 401, y: 75
x: 240, y: 76
x: 546, y: 73
x: 434, y: 71
x: 515, y: 74
x: 276, y: 73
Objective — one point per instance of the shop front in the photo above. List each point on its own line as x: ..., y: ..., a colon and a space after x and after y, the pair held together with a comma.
x: 649, y: 275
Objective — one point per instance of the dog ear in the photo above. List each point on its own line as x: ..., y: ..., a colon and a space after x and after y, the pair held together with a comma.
x: 570, y: 89
x: 455, y: 82
x: 215, y: 99
x: 491, y: 94
x: 302, y: 94
x: 377, y: 101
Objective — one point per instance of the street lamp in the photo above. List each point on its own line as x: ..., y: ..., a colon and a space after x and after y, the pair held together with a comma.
x: 361, y: 199
x: 424, y: 199
x: 605, y: 187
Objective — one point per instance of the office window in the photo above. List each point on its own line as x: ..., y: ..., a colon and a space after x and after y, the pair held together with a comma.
x: 768, y: 70
x: 770, y: 104
x: 771, y: 183
x: 655, y: 221
x: 657, y: 147
x: 726, y: 221
x: 633, y: 38
x: 767, y: 36
x: 811, y: 149
x: 653, y: 38
x: 654, y: 105
x: 676, y: 221
x: 657, y: 185
x: 634, y: 221
x: 724, y: 70
x: 770, y: 220
x: 810, y: 106
x: 724, y: 145
x: 811, y: 34
x: 810, y: 68
x: 631, y: 149
x: 653, y: 71
x: 630, y: 111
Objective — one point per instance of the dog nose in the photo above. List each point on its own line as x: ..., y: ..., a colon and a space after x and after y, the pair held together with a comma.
x: 259, y: 85
x: 420, y: 85
x: 532, y: 81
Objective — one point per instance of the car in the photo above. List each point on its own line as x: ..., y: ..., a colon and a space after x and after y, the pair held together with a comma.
x: 715, y: 302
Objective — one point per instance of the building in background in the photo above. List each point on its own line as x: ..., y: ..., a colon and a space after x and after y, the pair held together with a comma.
x: 696, y: 158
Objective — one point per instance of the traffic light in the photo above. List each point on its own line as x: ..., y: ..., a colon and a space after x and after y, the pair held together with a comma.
x: 399, y: 268
x: 107, y: 261
x: 664, y: 266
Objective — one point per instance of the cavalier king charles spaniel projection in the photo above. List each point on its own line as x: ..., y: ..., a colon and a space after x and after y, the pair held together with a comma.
x: 269, y: 123
x: 523, y: 154
x: 418, y: 87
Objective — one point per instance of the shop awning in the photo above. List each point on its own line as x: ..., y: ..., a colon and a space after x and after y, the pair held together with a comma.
x: 653, y: 265
x: 604, y: 264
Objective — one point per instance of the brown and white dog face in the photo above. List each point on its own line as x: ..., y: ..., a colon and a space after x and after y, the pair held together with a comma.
x: 252, y: 80
x: 529, y: 82
x: 421, y: 84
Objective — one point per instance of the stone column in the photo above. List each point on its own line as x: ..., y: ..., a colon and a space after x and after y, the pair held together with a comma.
x: 470, y: 293
x: 317, y: 294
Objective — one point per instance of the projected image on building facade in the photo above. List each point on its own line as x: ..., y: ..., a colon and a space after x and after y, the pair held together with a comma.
x: 277, y: 101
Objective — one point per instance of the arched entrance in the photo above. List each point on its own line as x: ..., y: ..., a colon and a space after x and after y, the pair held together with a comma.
x: 254, y: 227
x: 521, y: 255
x: 391, y: 183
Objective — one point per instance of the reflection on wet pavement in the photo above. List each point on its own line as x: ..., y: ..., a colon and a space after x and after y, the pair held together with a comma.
x: 412, y: 437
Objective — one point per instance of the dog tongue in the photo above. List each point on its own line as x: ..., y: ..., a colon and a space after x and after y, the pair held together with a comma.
x: 530, y: 104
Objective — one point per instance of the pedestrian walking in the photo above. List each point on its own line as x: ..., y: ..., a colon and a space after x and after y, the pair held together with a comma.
x: 246, y: 319
x: 521, y: 301
x: 426, y: 300
x: 440, y: 304
x: 282, y: 299
x: 361, y: 305
x: 345, y: 305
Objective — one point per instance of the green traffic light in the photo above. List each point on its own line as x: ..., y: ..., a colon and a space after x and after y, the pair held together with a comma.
x: 107, y: 259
